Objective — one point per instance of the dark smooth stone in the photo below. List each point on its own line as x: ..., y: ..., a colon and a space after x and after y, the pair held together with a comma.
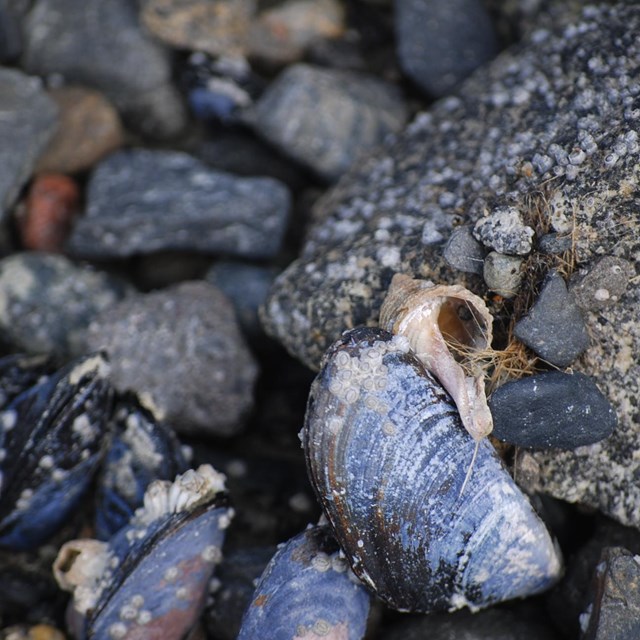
x: 142, y: 201
x: 463, y: 252
x: 10, y: 37
x: 551, y: 410
x: 555, y: 243
x: 440, y: 42
x: 554, y: 327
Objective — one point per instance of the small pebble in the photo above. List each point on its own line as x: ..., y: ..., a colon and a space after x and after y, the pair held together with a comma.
x: 463, y: 252
x: 502, y: 273
x: 555, y: 243
x: 440, y: 42
x: 325, y: 118
x: 46, y: 218
x: 554, y: 327
x: 603, y: 284
x: 10, y: 37
x: 504, y: 231
x: 144, y: 201
x: 182, y: 348
x: 614, y: 609
x: 551, y: 410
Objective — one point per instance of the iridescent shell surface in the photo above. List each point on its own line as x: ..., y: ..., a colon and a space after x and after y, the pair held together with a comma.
x: 306, y: 591
x: 387, y: 455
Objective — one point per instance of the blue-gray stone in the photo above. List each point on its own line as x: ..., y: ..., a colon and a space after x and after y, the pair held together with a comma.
x: 554, y: 327
x: 551, y: 410
x: 463, y: 252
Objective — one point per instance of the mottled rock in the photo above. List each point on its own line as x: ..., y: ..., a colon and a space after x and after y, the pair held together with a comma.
x: 28, y: 121
x: 46, y: 302
x: 551, y: 410
x: 504, y: 231
x: 143, y: 201
x: 554, y: 327
x: 502, y: 274
x: 440, y: 42
x: 614, y: 613
x: 181, y: 348
x: 219, y: 28
x: 101, y: 45
x: 603, y: 284
x: 325, y: 118
x: 88, y: 129
x: 463, y: 252
x: 281, y: 34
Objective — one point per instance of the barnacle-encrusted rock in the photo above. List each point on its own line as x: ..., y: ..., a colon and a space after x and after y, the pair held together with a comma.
x: 549, y: 128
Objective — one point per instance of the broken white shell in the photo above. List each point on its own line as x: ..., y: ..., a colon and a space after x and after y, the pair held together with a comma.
x: 434, y: 317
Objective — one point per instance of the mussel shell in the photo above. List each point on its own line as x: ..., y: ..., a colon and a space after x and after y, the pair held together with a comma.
x: 51, y: 438
x: 142, y: 449
x: 307, y: 589
x: 388, y: 456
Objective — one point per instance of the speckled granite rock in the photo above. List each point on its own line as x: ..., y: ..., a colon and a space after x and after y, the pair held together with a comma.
x: 549, y: 127
x: 27, y: 123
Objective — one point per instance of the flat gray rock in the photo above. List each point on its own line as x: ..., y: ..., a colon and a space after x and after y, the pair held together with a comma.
x: 28, y: 120
x: 548, y: 126
x: 143, y: 201
x: 101, y: 45
x: 181, y: 348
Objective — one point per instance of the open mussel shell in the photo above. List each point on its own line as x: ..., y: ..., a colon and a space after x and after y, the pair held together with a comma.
x: 51, y: 438
x: 143, y: 449
x: 388, y: 457
x: 150, y: 580
x: 307, y: 591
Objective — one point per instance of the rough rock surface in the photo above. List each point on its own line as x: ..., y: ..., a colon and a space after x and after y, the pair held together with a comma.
x: 28, y: 120
x: 548, y: 127
x: 101, y: 45
x: 182, y: 348
x: 143, y: 201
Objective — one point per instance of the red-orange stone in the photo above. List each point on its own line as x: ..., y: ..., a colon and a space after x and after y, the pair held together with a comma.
x: 51, y: 205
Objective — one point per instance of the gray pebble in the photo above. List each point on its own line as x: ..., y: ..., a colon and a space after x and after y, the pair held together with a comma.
x: 27, y: 123
x: 324, y: 118
x: 181, y: 347
x: 144, y: 201
x: 502, y: 274
x: 551, y: 410
x: 554, y: 327
x: 555, y: 243
x: 504, y: 231
x: 46, y: 302
x: 603, y: 283
x: 440, y: 42
x: 463, y: 252
x: 101, y: 45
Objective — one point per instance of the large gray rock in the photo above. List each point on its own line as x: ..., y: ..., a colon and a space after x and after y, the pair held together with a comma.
x: 549, y: 128
x: 101, y: 45
x: 28, y: 119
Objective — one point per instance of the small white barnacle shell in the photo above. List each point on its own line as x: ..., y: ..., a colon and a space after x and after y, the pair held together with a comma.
x: 442, y: 324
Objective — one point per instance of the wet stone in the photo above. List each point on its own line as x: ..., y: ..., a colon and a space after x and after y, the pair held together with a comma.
x: 79, y: 40
x: 463, y: 252
x: 504, y: 231
x: 143, y: 201
x: 551, y: 410
x: 325, y: 118
x: 502, y: 274
x: 440, y: 42
x: 28, y: 122
x: 46, y: 302
x: 602, y: 284
x: 182, y: 349
x: 554, y: 327
x: 614, y: 612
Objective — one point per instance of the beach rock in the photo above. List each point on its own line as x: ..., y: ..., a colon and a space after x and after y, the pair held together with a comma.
x: 555, y: 243
x: 463, y: 252
x: 554, y: 327
x: 440, y: 42
x: 88, y: 129
x: 603, y: 284
x: 325, y: 118
x: 47, y: 302
x: 551, y: 410
x: 182, y: 349
x: 101, y: 45
x: 28, y: 122
x: 144, y: 201
x: 10, y: 36
x: 219, y: 28
x: 502, y: 274
x: 504, y: 231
